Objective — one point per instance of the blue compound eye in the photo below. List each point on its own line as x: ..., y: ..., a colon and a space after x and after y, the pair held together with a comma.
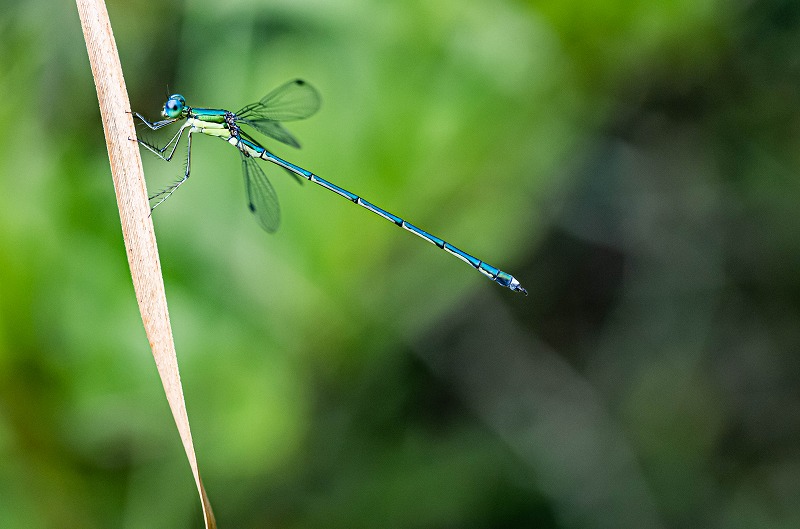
x: 174, y: 106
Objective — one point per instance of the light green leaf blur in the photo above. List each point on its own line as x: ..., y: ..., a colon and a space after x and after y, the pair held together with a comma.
x: 635, y: 165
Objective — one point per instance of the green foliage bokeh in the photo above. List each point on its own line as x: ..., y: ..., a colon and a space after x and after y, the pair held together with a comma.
x: 633, y: 164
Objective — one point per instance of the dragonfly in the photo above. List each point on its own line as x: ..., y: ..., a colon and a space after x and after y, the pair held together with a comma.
x: 294, y: 100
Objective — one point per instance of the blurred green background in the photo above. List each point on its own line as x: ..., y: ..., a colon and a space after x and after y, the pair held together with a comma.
x: 634, y: 164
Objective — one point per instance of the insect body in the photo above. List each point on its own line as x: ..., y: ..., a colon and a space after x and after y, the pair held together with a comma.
x: 292, y: 101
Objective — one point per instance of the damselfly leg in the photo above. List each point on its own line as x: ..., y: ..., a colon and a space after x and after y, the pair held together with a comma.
x: 164, y: 194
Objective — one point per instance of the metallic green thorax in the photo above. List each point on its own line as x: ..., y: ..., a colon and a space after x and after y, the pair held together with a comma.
x: 209, y: 115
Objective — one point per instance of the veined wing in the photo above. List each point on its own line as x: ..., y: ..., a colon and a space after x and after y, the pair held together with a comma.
x: 273, y: 129
x: 249, y: 138
x: 261, y: 197
x: 289, y: 102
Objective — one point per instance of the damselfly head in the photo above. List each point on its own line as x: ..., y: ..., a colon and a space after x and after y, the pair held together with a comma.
x: 174, y: 107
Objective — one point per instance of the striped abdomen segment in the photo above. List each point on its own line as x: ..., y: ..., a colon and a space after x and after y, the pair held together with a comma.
x: 495, y: 274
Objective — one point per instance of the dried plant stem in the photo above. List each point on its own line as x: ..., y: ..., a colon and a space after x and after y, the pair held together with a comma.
x: 137, y: 227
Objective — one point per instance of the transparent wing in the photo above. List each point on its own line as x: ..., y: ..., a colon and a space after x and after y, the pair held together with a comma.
x: 273, y: 129
x: 289, y: 102
x: 290, y: 173
x: 261, y: 197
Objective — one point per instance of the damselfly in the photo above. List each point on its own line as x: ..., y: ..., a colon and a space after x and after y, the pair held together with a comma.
x: 291, y: 101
